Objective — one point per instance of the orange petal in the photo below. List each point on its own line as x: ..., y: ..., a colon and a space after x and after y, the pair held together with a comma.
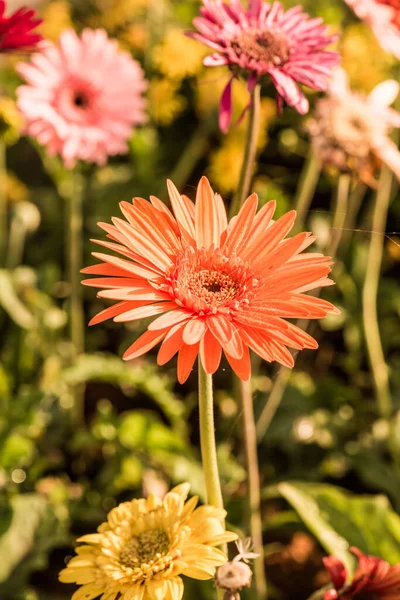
x: 186, y: 357
x: 282, y: 253
x: 242, y: 366
x: 110, y: 282
x: 112, y: 311
x: 146, y: 342
x: 172, y: 318
x: 194, y: 331
x: 148, y: 247
x: 272, y: 237
x: 143, y: 312
x: 134, y: 293
x: 206, y: 219
x: 210, y: 353
x: 262, y: 220
x: 239, y: 229
x: 171, y: 344
x: 226, y: 334
x: 125, y: 264
x: 105, y: 269
x: 181, y: 210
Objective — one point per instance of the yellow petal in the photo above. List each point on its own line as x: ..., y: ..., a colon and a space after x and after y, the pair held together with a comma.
x: 136, y: 592
x: 88, y: 592
x: 79, y: 576
x: 175, y: 588
x: 200, y: 572
x: 110, y: 595
x: 181, y: 489
x: 91, y: 538
x: 153, y: 502
x: 189, y: 507
x: 157, y: 589
x: 223, y: 538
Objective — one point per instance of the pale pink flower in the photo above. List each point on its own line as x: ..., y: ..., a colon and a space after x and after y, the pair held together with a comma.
x: 383, y: 16
x: 351, y: 131
x: 263, y: 43
x: 83, y: 97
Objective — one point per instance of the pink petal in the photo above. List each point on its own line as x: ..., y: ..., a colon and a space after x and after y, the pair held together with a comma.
x: 225, y: 109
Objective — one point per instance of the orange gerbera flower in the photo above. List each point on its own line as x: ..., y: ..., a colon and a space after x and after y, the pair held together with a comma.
x: 215, y: 285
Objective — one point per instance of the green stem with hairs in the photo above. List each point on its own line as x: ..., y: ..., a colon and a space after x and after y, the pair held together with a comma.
x: 307, y: 185
x: 207, y: 439
x: 254, y: 493
x: 245, y: 389
x: 379, y: 368
x: 250, y: 152
x: 209, y: 447
x: 73, y: 194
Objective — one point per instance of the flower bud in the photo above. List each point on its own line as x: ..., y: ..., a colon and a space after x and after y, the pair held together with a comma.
x: 234, y: 576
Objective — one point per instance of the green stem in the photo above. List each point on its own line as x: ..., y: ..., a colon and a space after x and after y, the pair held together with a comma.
x: 246, y: 395
x: 355, y: 202
x: 306, y: 188
x: 196, y: 148
x: 74, y: 197
x: 283, y: 376
x: 250, y: 152
x: 207, y: 440
x: 376, y: 356
x: 253, y: 475
x: 3, y: 204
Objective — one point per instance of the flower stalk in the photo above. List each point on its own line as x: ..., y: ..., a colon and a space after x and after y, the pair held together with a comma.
x: 74, y: 260
x: 246, y: 395
x: 3, y: 204
x: 307, y: 185
x: 379, y: 368
x: 207, y: 439
x: 250, y: 152
x: 253, y: 474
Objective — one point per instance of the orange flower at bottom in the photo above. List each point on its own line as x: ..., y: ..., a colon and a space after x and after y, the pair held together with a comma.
x: 213, y: 285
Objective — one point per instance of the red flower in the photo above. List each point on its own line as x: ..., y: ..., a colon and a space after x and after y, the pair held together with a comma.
x: 16, y: 30
x: 374, y: 578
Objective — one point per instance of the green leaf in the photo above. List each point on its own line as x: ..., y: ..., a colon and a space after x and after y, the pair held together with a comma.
x: 143, y: 377
x: 12, y: 304
x: 36, y: 527
x: 339, y: 519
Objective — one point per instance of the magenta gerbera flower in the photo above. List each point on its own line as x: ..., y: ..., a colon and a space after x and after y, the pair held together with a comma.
x: 266, y: 43
x: 16, y: 30
x: 83, y: 97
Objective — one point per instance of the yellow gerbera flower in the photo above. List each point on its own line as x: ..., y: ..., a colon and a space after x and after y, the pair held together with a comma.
x: 145, y: 545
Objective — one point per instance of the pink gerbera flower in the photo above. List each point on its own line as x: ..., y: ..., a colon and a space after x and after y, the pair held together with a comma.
x: 374, y: 578
x: 83, y: 97
x: 215, y: 286
x: 16, y: 30
x: 383, y: 16
x: 351, y: 131
x: 265, y: 42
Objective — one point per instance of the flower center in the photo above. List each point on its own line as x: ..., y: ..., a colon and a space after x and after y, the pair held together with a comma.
x: 145, y: 548
x: 211, y: 286
x: 80, y: 100
x: 395, y: 5
x: 262, y: 45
